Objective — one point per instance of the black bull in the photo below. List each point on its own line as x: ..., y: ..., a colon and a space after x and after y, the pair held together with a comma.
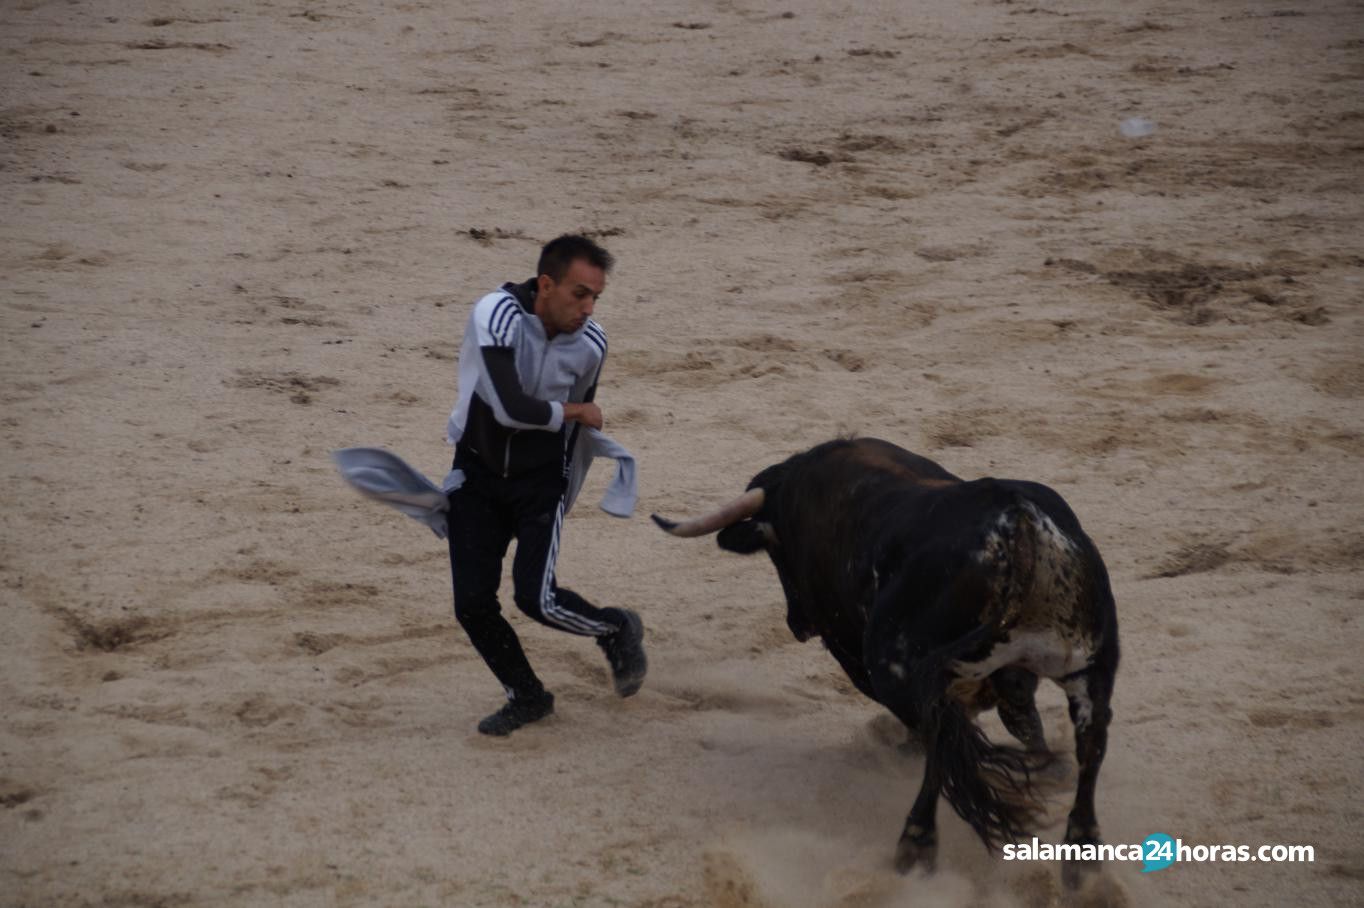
x: 941, y: 598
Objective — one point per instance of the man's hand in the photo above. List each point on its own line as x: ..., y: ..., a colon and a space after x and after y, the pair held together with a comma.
x: 588, y: 414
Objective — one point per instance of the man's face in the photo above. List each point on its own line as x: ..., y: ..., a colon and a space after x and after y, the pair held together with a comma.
x: 564, y: 306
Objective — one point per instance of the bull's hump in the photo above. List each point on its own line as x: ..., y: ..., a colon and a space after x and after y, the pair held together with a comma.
x: 882, y: 457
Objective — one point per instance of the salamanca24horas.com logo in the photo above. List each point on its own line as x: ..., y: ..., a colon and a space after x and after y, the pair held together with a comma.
x: 1157, y: 852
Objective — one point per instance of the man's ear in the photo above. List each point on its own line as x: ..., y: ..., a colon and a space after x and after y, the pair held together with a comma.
x: 543, y: 284
x: 744, y: 537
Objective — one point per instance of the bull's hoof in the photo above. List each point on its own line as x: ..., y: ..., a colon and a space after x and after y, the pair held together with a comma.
x: 917, y: 850
x: 1075, y: 873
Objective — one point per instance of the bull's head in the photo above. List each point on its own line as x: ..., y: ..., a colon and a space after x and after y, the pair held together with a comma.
x: 747, y: 525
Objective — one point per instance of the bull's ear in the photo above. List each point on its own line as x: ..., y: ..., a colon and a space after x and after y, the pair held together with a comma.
x: 744, y: 537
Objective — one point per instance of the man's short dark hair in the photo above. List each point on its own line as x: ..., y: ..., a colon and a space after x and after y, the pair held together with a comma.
x: 561, y: 252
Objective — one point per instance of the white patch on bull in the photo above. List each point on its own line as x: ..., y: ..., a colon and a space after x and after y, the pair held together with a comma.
x: 993, y: 552
x: 1053, y: 533
x: 994, y: 540
x: 1077, y: 691
x: 1039, y: 574
x: 1043, y: 652
x: 990, y: 552
x: 898, y: 670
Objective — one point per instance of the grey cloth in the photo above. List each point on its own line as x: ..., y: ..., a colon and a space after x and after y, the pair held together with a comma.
x: 621, y: 495
x: 386, y: 477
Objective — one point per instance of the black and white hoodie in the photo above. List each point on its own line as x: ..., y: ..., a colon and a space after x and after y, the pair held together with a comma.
x: 514, y: 381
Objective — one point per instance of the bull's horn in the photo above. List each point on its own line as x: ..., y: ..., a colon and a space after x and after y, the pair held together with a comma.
x: 745, y: 506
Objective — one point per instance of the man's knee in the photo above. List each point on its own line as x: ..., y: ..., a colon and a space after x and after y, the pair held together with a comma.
x: 473, y: 612
x: 530, y: 603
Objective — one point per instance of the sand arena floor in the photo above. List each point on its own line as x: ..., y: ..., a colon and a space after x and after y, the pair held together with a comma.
x: 238, y: 236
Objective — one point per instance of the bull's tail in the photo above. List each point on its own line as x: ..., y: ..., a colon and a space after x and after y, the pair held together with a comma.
x: 990, y: 786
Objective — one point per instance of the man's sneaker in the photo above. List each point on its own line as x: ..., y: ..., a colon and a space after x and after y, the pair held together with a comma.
x: 516, y: 713
x: 625, y: 652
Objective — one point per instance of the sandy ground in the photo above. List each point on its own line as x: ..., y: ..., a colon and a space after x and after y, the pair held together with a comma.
x: 240, y: 235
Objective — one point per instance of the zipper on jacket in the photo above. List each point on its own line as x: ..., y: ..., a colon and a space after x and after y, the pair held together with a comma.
x: 540, y: 373
x: 535, y: 390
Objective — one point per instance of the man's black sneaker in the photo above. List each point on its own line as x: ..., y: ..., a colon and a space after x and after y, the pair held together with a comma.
x: 625, y: 652
x: 516, y: 713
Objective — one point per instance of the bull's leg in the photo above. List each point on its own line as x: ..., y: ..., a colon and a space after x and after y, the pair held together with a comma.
x: 860, y: 675
x: 1088, y: 693
x: 1016, y: 688
x: 887, y: 660
x: 918, y: 845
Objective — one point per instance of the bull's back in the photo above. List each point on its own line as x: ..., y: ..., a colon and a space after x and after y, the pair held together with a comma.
x: 1006, y: 553
x: 1001, y: 554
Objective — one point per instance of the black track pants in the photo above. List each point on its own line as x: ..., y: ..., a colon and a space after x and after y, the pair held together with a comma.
x: 486, y: 513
